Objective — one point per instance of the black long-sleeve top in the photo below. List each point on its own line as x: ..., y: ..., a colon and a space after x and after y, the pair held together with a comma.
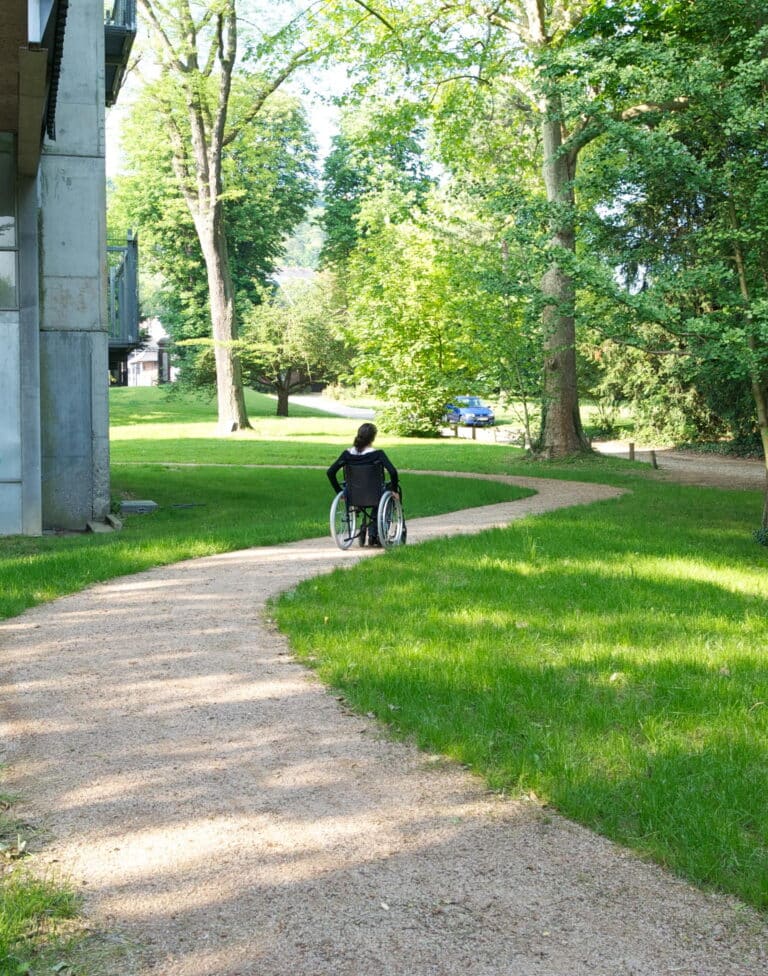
x: 366, y: 457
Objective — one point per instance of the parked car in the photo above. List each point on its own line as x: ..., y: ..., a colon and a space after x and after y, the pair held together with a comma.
x: 469, y: 411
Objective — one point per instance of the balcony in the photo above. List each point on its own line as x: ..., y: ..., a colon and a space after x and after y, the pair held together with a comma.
x: 123, y: 294
x: 119, y: 35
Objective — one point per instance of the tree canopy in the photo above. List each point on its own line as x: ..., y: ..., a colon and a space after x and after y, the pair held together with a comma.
x: 269, y: 177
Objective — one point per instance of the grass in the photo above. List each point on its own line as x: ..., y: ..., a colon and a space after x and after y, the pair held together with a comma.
x: 137, y: 406
x: 149, y: 426
x: 30, y: 909
x: 609, y: 659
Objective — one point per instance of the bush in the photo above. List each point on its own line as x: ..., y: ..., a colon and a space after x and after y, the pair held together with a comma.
x: 408, y: 420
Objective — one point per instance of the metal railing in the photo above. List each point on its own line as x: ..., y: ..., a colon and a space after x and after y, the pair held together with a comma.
x: 123, y: 292
x: 121, y: 13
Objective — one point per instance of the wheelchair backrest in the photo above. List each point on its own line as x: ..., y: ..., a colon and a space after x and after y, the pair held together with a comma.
x: 364, y: 483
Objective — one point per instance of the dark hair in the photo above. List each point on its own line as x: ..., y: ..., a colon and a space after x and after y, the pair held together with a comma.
x: 366, y: 435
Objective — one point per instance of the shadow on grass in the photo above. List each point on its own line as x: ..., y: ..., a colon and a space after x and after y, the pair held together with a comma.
x: 607, y: 659
x: 206, y: 794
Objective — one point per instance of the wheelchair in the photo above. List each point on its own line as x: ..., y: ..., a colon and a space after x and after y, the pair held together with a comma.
x: 365, y: 502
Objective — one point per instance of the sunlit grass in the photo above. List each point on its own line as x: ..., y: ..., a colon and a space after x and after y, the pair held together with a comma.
x: 166, y: 405
x: 608, y: 659
x: 30, y: 908
x: 309, y: 438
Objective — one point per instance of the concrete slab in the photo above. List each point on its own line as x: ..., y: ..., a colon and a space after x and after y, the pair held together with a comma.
x: 72, y: 304
x: 135, y: 507
x: 67, y: 447
x: 10, y: 509
x: 10, y: 401
x: 73, y: 198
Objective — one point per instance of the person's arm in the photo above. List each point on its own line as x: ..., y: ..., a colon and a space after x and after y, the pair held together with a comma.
x: 392, y: 471
x: 337, y: 465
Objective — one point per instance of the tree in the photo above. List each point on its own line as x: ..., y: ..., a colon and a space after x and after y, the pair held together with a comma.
x: 689, y: 238
x: 268, y: 171
x: 433, y: 309
x: 380, y: 145
x: 291, y: 340
x: 196, y: 46
x: 572, y: 69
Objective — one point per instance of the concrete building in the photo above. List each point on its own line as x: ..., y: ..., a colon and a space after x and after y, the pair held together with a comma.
x: 54, y: 450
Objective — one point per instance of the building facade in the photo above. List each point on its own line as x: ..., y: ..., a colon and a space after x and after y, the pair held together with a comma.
x: 54, y: 448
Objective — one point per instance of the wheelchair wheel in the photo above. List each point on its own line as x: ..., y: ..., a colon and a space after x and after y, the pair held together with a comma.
x: 390, y: 520
x: 343, y: 522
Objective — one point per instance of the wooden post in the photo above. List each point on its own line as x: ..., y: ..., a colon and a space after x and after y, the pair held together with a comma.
x: 654, y: 462
x: 631, y: 450
x: 455, y: 430
x: 474, y: 433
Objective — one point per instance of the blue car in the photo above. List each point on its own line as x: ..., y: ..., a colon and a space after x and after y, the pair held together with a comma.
x: 469, y: 411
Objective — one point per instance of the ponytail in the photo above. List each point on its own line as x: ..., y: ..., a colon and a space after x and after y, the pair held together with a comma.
x: 366, y: 435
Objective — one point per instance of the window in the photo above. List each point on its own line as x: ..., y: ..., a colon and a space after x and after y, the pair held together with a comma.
x: 8, y: 232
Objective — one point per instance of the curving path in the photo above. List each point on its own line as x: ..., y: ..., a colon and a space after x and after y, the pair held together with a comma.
x: 227, y: 816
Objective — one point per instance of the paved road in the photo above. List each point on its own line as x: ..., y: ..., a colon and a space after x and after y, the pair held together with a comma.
x: 318, y: 402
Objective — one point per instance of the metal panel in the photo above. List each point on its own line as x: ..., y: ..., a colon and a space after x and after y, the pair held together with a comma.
x: 10, y: 509
x: 10, y: 399
x: 66, y: 427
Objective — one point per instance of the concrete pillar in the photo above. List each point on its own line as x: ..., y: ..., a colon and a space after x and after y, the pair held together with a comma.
x: 74, y: 408
x: 29, y: 290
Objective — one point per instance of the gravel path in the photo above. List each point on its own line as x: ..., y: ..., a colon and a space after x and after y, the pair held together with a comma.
x: 229, y: 817
x: 695, y: 467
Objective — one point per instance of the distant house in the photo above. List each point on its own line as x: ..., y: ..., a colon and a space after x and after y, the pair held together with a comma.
x: 151, y: 364
x: 61, y: 61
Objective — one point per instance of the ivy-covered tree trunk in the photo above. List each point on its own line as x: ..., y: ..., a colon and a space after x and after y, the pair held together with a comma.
x: 561, y: 432
x: 757, y: 379
x: 230, y: 396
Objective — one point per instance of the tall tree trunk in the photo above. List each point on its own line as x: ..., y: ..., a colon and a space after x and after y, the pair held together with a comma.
x: 562, y: 432
x: 756, y: 377
x: 282, y: 400
x: 230, y: 396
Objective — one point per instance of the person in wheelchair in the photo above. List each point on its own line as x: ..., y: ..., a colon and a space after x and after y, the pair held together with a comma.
x: 364, y: 488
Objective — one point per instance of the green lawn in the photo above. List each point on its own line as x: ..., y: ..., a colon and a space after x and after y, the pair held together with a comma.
x: 30, y: 909
x: 151, y: 426
x: 135, y: 406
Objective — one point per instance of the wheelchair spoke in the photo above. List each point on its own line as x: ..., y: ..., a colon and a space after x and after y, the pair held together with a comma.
x: 343, y: 520
x: 390, y: 520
